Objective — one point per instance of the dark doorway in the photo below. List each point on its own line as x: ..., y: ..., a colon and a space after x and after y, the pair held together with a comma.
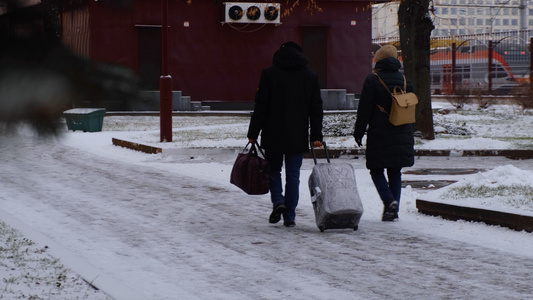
x: 314, y: 45
x: 149, y: 56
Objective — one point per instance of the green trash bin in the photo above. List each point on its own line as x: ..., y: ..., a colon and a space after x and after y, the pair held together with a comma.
x: 86, y: 119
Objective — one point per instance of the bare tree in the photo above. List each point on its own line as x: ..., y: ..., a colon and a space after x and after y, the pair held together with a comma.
x: 415, y: 29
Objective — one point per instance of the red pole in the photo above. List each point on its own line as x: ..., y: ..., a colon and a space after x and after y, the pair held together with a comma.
x: 165, y: 81
x: 531, y: 63
x: 454, y: 50
x: 490, y: 68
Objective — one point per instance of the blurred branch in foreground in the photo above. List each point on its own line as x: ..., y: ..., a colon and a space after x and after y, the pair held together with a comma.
x: 40, y: 78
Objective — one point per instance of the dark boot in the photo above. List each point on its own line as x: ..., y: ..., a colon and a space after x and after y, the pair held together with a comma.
x: 278, y: 210
x: 390, y: 213
x: 289, y: 223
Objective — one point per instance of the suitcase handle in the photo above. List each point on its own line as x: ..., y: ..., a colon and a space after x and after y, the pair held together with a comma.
x: 325, y: 150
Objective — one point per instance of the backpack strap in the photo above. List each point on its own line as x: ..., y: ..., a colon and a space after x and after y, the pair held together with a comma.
x: 379, y: 106
x: 381, y: 80
x: 383, y: 110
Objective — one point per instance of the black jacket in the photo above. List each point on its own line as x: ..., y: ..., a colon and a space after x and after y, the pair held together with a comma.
x: 287, y: 103
x: 388, y: 146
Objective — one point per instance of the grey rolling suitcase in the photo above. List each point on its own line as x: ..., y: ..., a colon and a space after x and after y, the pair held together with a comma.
x: 334, y: 194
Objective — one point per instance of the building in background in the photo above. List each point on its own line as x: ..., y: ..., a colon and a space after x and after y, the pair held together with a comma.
x: 460, y: 17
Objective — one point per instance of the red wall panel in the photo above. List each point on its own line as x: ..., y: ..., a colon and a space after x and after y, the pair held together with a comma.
x: 214, y: 61
x: 75, y: 28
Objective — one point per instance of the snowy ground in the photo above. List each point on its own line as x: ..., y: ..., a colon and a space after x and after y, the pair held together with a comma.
x: 170, y: 226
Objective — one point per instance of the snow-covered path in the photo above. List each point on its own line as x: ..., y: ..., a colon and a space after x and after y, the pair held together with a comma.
x: 175, y: 229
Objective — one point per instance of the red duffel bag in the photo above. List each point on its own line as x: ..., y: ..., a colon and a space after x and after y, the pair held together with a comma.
x: 251, y: 172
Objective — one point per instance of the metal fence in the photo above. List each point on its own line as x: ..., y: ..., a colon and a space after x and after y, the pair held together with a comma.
x: 497, y: 63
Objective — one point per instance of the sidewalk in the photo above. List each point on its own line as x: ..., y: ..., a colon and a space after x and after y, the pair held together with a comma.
x: 447, y: 211
x: 172, y: 227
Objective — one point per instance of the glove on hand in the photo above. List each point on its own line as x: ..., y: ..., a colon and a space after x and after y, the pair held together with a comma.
x: 359, y: 142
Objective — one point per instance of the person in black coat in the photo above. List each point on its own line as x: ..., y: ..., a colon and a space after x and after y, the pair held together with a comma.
x: 287, y: 109
x: 388, y: 147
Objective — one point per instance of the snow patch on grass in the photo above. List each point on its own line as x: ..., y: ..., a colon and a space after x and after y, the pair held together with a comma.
x: 29, y: 272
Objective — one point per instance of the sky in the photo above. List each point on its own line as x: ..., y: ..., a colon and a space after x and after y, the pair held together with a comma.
x: 171, y: 226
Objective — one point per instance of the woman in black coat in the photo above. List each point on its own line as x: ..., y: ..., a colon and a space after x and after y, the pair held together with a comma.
x: 388, y: 147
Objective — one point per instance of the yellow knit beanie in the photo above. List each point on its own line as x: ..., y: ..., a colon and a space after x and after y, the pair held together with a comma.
x: 384, y: 52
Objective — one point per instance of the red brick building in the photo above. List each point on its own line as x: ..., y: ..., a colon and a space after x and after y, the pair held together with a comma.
x: 210, y: 59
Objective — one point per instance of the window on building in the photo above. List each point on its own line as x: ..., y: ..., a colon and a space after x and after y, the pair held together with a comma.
x: 505, y: 11
x: 479, y: 22
x: 480, y: 12
x: 505, y: 22
x: 515, y: 11
x: 514, y: 22
x: 530, y: 22
x: 530, y: 11
x: 444, y: 10
x: 453, y: 10
x: 488, y: 22
x: 453, y: 21
x: 453, y: 31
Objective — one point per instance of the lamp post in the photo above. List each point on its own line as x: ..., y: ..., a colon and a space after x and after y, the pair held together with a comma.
x: 165, y: 81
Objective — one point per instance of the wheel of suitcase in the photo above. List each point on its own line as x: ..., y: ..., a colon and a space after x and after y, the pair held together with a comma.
x: 356, y: 227
x: 321, y: 228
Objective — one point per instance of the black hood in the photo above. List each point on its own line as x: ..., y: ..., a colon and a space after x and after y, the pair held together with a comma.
x: 289, y: 58
x: 388, y: 64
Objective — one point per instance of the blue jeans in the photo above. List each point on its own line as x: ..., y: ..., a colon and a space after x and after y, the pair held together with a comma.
x: 293, y: 163
x: 391, y: 190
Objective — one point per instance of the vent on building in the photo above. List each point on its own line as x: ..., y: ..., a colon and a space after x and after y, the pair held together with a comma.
x: 244, y: 12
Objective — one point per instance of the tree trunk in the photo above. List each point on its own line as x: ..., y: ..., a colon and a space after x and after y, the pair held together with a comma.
x: 415, y: 30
